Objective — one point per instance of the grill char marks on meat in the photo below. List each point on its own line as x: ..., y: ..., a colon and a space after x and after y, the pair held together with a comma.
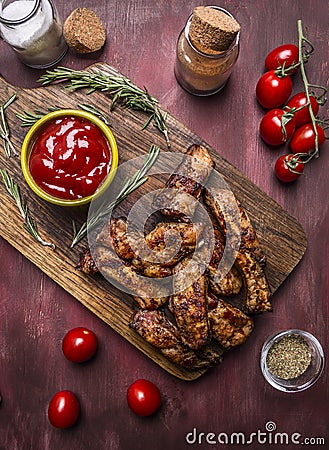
x: 229, y: 326
x: 200, y: 326
x: 124, y: 274
x: 245, y: 229
x: 164, y: 237
x: 117, y: 236
x: 157, y: 330
x: 231, y: 283
x: 87, y: 263
x: 189, y: 179
x: 249, y: 259
x: 161, y: 241
x: 190, y: 308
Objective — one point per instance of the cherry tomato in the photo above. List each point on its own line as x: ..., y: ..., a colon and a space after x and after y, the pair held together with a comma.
x: 282, y: 170
x: 143, y: 397
x: 286, y: 55
x: 79, y: 344
x: 273, y: 91
x: 303, y: 141
x: 63, y: 409
x: 270, y: 127
x: 300, y: 101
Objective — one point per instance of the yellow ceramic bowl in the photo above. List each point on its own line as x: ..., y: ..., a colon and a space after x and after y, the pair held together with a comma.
x: 33, y: 133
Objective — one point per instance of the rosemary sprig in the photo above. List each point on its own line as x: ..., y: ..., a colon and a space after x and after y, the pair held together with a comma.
x: 93, y: 110
x: 30, y: 223
x: 118, y: 86
x: 4, y: 128
x: 29, y: 118
x: 129, y: 186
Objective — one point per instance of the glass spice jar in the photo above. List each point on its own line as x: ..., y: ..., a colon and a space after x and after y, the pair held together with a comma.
x: 200, y: 73
x: 34, y: 30
x: 292, y: 360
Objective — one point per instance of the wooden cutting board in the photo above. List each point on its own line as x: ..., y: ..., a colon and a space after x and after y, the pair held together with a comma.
x: 281, y: 236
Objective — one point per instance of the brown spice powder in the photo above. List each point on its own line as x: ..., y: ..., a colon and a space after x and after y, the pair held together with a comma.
x: 207, y: 50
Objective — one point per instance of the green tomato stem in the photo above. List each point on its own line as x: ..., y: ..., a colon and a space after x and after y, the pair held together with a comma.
x: 301, y: 40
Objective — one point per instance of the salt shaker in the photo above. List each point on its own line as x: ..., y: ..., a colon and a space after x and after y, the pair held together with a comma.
x: 33, y: 29
x: 207, y: 50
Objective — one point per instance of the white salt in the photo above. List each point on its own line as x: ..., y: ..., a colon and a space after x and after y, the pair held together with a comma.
x: 39, y: 39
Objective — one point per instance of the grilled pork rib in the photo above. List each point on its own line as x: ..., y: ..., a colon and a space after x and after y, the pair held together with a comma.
x: 88, y: 266
x: 183, y: 189
x: 161, y: 241
x: 229, y: 284
x: 190, y: 308
x: 163, y: 238
x: 244, y: 229
x: 229, y: 326
x: 157, y: 330
x: 113, y: 235
x: 124, y: 274
x: 249, y: 258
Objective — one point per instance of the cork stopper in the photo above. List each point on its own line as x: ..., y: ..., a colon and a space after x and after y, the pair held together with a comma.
x: 211, y: 30
x: 83, y: 31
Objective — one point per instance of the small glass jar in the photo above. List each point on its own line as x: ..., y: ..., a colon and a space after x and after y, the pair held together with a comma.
x: 307, y: 378
x: 202, y: 73
x: 34, y: 31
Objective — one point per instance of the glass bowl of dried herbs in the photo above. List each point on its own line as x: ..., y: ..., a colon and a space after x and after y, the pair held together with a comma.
x: 292, y: 360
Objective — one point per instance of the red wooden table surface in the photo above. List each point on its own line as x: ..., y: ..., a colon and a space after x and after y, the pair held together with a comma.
x: 35, y: 313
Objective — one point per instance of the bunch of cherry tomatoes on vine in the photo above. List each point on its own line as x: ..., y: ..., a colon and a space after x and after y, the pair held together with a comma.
x: 297, y: 121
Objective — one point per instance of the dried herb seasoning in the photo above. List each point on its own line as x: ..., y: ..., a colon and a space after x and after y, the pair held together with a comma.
x: 289, y: 357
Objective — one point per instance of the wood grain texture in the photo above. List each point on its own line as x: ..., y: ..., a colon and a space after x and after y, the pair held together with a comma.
x: 281, y: 237
x: 35, y: 312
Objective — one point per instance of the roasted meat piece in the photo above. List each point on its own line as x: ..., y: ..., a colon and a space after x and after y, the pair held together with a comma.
x: 183, y: 190
x: 157, y: 330
x: 229, y: 284
x: 87, y: 263
x: 88, y: 266
x: 249, y: 240
x: 165, y: 236
x: 161, y: 241
x: 229, y: 326
x: 190, y: 307
x: 249, y: 259
x: 113, y: 234
x: 125, y: 275
x: 258, y: 295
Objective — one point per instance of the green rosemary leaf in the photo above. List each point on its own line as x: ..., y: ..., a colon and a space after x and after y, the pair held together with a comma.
x: 10, y: 101
x: 29, y: 118
x: 95, y: 111
x: 74, y: 228
x: 4, y: 128
x: 30, y: 224
x: 146, y: 124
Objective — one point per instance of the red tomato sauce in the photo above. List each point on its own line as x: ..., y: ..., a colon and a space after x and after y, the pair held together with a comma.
x: 70, y: 158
